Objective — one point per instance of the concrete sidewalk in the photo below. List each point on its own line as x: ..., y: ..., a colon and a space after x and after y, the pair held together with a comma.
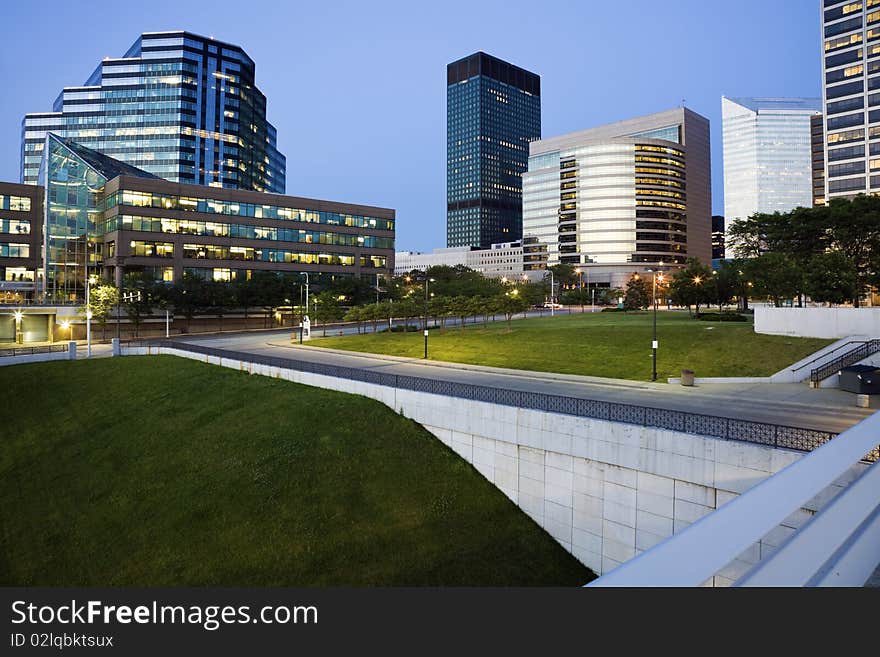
x: 785, y: 404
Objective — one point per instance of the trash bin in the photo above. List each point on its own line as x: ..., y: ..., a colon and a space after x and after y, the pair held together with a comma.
x: 860, y: 379
x: 687, y: 377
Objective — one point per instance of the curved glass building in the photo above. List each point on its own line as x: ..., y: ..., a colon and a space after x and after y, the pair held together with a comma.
x: 624, y: 197
x: 180, y: 106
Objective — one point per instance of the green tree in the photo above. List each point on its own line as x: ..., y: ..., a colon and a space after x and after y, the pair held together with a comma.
x: 638, y: 294
x: 510, y: 304
x: 139, y: 304
x: 691, y: 286
x: 831, y: 277
x: 440, y: 307
x: 188, y: 297
x: 103, y: 298
x: 776, y: 276
x: 355, y: 314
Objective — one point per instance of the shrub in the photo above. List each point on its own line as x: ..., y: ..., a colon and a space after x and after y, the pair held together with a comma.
x: 615, y: 309
x: 409, y: 328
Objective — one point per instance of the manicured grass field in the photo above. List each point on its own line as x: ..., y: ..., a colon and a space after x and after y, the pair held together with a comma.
x: 614, y: 345
x: 159, y: 471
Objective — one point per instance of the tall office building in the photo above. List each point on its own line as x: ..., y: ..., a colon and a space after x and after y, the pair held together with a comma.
x: 850, y: 89
x: 717, y: 239
x: 817, y: 148
x: 624, y: 197
x: 767, y: 155
x: 493, y: 112
x: 177, y: 105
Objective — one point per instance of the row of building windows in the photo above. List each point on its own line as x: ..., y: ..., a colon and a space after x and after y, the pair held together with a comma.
x: 146, y: 249
x: 16, y: 226
x: 15, y: 203
x: 233, y: 208
x: 242, y: 231
x: 12, y: 250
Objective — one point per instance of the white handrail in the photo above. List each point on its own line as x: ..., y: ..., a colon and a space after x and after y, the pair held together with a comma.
x: 692, y: 556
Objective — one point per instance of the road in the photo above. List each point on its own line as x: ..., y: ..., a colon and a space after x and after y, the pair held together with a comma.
x: 786, y: 404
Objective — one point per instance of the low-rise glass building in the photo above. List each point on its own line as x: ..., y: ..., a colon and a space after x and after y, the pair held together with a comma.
x: 105, y: 217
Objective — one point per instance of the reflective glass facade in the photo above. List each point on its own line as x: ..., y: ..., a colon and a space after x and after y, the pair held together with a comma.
x: 851, y: 96
x: 74, y: 193
x: 493, y: 112
x: 180, y: 106
x: 108, y: 218
x: 767, y: 154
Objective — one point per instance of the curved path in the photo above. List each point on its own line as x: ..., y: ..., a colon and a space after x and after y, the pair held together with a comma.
x: 786, y: 404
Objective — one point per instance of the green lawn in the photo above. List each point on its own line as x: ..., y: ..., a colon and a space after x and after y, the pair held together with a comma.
x: 159, y: 471
x: 599, y: 344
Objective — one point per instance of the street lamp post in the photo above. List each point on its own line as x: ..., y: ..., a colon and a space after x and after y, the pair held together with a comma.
x: 580, y: 274
x: 654, y: 344
x: 426, y: 314
x: 552, y: 300
x: 377, y: 289
x: 88, y: 317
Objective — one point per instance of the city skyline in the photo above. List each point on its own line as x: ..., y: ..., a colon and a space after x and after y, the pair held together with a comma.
x: 329, y: 130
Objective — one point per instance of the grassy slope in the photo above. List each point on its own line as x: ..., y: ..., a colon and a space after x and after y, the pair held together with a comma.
x: 600, y: 344
x: 171, y: 472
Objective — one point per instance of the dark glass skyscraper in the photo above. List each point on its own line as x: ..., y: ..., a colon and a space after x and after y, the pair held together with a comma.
x: 493, y: 112
x: 177, y: 105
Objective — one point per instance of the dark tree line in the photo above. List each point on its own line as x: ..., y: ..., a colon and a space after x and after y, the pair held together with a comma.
x: 829, y: 253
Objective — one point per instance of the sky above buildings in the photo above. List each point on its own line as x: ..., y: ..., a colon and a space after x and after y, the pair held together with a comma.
x: 357, y: 90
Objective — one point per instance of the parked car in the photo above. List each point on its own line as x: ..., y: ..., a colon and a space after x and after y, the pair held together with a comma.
x: 548, y: 304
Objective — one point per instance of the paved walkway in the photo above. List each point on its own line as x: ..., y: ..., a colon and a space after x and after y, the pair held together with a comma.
x: 786, y: 404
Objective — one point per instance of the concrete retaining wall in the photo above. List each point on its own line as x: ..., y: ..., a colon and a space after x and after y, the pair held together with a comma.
x: 818, y: 322
x: 605, y: 491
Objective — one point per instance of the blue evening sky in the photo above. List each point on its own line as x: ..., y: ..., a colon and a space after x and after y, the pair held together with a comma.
x: 357, y: 90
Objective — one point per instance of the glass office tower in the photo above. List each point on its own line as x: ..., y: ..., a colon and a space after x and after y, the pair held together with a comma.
x: 493, y: 112
x: 177, y: 105
x: 851, y: 96
x: 767, y: 154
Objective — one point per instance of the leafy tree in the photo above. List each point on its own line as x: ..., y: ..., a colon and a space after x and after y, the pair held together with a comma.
x: 831, y: 277
x: 726, y: 283
x: 355, y: 314
x: 188, y: 297
x: 140, y: 304
x: 564, y: 274
x: 102, y: 300
x: 510, y: 304
x: 692, y: 285
x: 218, y: 297
x: 638, y: 294
x: 777, y: 276
x: 268, y: 290
x: 440, y: 307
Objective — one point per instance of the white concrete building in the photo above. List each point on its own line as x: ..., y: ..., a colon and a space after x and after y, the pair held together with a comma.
x: 510, y: 259
x: 624, y: 197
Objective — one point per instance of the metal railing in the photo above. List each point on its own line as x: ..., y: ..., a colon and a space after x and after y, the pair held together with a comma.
x: 762, y: 433
x: 26, y: 351
x: 868, y: 348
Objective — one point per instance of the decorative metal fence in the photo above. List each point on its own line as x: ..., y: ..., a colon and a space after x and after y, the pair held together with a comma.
x: 851, y: 357
x: 762, y: 433
x: 25, y: 351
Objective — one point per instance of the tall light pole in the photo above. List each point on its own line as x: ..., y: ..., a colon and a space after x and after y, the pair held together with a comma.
x: 88, y: 316
x: 426, y: 314
x: 306, y: 274
x: 377, y: 289
x: 552, y: 299
x: 654, y: 344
